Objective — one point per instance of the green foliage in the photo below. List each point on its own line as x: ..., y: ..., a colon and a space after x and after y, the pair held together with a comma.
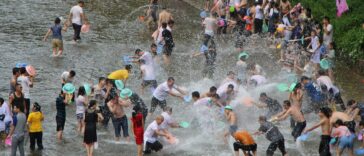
x: 348, y: 31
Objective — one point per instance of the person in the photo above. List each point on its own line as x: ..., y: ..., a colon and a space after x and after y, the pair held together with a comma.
x: 61, y: 103
x: 137, y: 127
x: 328, y: 31
x: 324, y: 123
x: 99, y: 91
x: 273, y: 135
x: 17, y: 98
x: 258, y: 21
x: 231, y: 118
x: 119, y: 119
x: 26, y: 82
x: 168, y: 122
x: 212, y: 91
x: 257, y: 80
x: 144, y: 55
x: 128, y: 95
x: 153, y: 50
x: 361, y: 133
x: 267, y: 102
x: 92, y: 115
x: 151, y: 136
x: 3, y: 114
x: 205, y: 101
x: 109, y: 90
x: 353, y: 110
x: 323, y: 79
x: 296, y: 114
x: 168, y: 43
x: 81, y: 103
x: 285, y: 7
x: 241, y: 66
x: 344, y: 118
x: 245, y: 142
x: 210, y: 25
x: 315, y: 95
x: 226, y: 94
x: 147, y: 73
x: 164, y: 17
x: 315, y: 45
x: 57, y: 42
x: 153, y: 8
x: 161, y: 92
x: 13, y: 80
x: 78, y: 17
x: 345, y: 138
x: 68, y: 77
x: 35, y: 121
x: 124, y: 73
x: 18, y: 130
x: 296, y: 96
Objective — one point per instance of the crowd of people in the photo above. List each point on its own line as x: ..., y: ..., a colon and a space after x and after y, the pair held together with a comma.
x: 306, y: 50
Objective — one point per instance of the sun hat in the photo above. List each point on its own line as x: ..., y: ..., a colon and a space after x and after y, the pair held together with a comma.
x: 293, y: 85
x: 119, y: 84
x: 126, y: 92
x: 87, y: 89
x: 228, y: 107
x: 325, y: 64
x: 30, y: 70
x: 243, y: 54
x: 69, y: 88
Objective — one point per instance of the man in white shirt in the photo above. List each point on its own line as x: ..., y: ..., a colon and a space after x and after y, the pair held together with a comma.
x: 161, y: 92
x: 323, y: 79
x: 145, y: 55
x: 258, y: 21
x: 26, y: 83
x: 148, y: 75
x: 77, y: 17
x: 68, y: 76
x: 168, y: 121
x: 151, y: 136
x: 328, y: 31
x: 210, y: 24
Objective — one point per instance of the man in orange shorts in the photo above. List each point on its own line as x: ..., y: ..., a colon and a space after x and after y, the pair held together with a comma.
x: 245, y: 142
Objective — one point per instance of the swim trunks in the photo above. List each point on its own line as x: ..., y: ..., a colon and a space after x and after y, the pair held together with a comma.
x: 247, y: 148
x: 233, y: 129
x: 297, y: 130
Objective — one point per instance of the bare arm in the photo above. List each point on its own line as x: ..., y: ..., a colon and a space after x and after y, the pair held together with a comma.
x: 314, y: 126
x: 99, y: 115
x: 47, y: 34
x: 260, y: 104
x: 284, y: 116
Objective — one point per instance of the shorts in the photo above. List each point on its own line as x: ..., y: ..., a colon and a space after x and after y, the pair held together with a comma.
x: 156, y: 146
x: 146, y: 83
x: 245, y: 148
x: 233, y: 129
x: 346, y: 141
x: 57, y: 43
x: 273, y: 147
x: 350, y: 125
x: 155, y: 102
x: 297, y: 130
x: 167, y: 50
x: 2, y: 135
x: 60, y: 123
x: 79, y: 116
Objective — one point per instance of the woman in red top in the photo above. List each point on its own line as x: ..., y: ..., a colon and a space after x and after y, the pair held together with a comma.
x: 138, y: 128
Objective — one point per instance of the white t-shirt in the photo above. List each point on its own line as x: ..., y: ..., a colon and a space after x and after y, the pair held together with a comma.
x: 161, y: 92
x: 314, y: 42
x: 258, y: 12
x: 328, y: 38
x: 325, y: 80
x: 8, y: 116
x: 80, y: 104
x: 25, y: 84
x: 2, y: 123
x: 203, y: 102
x: 66, y: 78
x: 149, y: 133
x: 259, y: 79
x: 209, y: 25
x: 148, y: 58
x: 148, y: 72
x: 167, y: 120
x: 76, y: 12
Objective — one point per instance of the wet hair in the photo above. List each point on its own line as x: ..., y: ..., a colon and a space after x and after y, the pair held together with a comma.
x: 361, y: 123
x: 142, y: 61
x: 304, y: 78
x: 215, y: 96
x: 262, y: 118
x: 15, y: 70
x: 298, y: 86
x: 326, y: 111
x: 333, y: 44
x: 1, y: 100
x: 170, y: 22
x: 339, y: 122
x: 230, y: 86
x: 196, y: 94
x: 327, y: 19
x: 170, y: 79
x: 351, y: 102
x: 81, y: 91
x: 213, y: 89
x: 72, y: 73
x: 81, y: 2
x: 167, y: 109
x: 321, y: 72
x: 37, y: 107
x: 101, y: 79
x: 57, y: 21
x: 263, y: 94
x: 137, y: 51
x: 23, y: 70
x: 136, y: 109
x: 153, y: 45
x: 128, y: 67
x: 164, y: 25
x: 324, y: 88
x: 287, y: 102
x: 19, y: 106
x: 92, y: 103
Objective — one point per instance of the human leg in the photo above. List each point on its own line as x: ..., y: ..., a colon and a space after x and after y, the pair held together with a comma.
x: 39, y: 138
x: 117, y: 127
x: 32, y: 137
x: 124, y: 125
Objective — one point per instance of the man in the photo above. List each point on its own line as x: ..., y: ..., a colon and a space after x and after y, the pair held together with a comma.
x: 350, y: 123
x: 205, y: 101
x: 323, y: 79
x: 245, y: 142
x: 61, y: 103
x: 210, y: 25
x: 26, y: 82
x: 316, y: 97
x: 161, y: 92
x: 109, y: 90
x: 78, y: 17
x: 258, y: 21
x: 144, y: 55
x: 16, y: 74
x: 231, y: 118
x: 147, y: 73
x: 153, y: 49
x: 212, y: 91
x: 153, y: 7
x: 99, y: 92
x: 122, y: 74
x: 17, y: 131
x: 272, y: 134
x: 127, y: 95
x: 168, y: 42
x: 68, y: 77
x: 328, y: 31
x: 296, y: 114
x: 226, y: 95
x: 267, y: 102
x: 168, y: 121
x: 324, y: 114
x: 119, y: 118
x: 151, y: 136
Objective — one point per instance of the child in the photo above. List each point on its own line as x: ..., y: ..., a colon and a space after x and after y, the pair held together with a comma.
x: 35, y: 120
x: 57, y: 42
x: 81, y: 102
x: 138, y: 128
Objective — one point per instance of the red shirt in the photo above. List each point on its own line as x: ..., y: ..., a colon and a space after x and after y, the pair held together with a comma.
x: 138, y: 123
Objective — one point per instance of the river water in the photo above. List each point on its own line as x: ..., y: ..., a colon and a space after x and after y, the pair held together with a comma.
x: 115, y: 31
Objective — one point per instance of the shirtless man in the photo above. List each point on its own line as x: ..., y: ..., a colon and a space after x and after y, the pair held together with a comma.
x: 296, y: 114
x: 352, y: 109
x: 206, y: 101
x: 16, y: 74
x: 210, y: 93
x: 119, y: 118
x: 164, y: 17
x: 285, y: 7
x: 345, y: 118
x: 231, y: 118
x: 324, y: 115
x: 296, y: 96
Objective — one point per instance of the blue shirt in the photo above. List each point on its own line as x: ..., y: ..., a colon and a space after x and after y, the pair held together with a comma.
x: 313, y: 93
x: 57, y: 31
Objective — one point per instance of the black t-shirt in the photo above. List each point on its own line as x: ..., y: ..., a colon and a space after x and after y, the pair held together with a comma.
x: 272, y: 133
x: 167, y: 35
x: 273, y: 105
x: 61, y: 107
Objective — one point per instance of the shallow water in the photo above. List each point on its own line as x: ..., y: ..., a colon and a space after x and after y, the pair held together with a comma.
x: 115, y: 31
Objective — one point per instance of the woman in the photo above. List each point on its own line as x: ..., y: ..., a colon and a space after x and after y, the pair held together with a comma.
x: 92, y: 115
x: 81, y: 102
x: 344, y: 137
x: 138, y: 128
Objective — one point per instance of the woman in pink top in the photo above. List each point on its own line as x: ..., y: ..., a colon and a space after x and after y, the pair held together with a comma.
x: 344, y: 137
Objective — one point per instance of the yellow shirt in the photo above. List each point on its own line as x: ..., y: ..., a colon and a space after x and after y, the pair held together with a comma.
x: 122, y: 74
x: 35, y: 122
